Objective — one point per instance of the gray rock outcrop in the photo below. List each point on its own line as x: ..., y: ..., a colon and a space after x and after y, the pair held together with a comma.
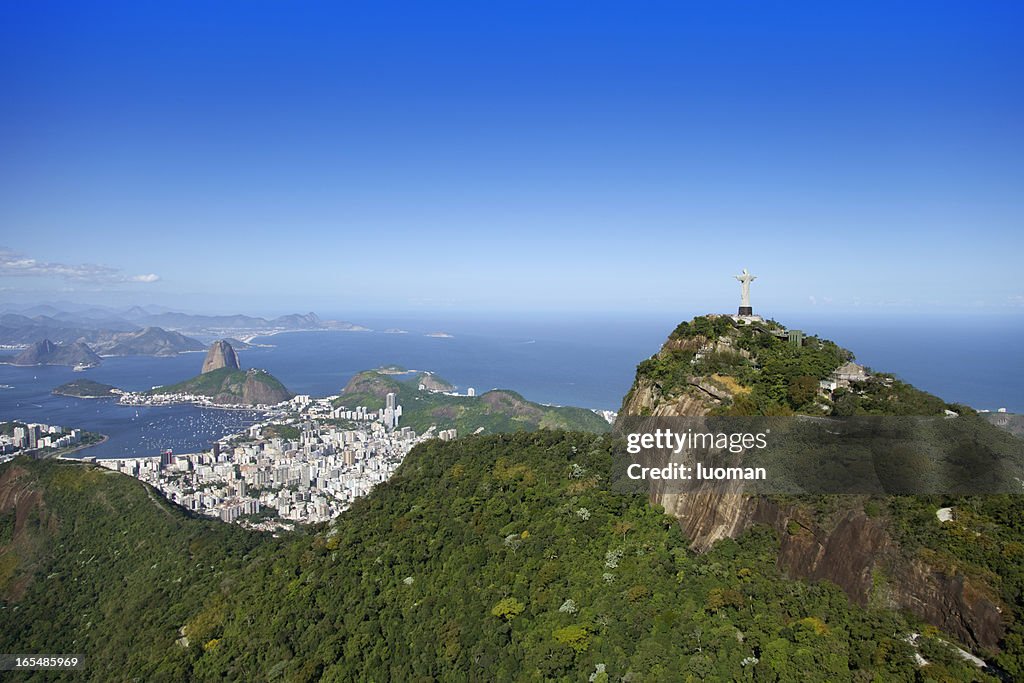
x: 220, y: 355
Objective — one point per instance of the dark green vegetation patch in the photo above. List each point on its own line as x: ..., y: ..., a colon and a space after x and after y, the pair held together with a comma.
x: 86, y: 388
x: 489, y: 558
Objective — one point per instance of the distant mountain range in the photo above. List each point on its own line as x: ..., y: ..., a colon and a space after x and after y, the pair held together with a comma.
x: 46, y: 352
x: 86, y: 348
x: 151, y: 341
x: 200, y: 323
x: 141, y: 331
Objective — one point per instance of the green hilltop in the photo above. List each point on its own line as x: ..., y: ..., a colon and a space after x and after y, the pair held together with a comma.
x: 736, y: 369
x: 87, y: 388
x: 232, y: 387
x: 961, y: 572
x: 500, y: 410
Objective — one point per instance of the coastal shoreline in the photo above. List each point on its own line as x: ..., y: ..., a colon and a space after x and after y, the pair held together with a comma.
x: 103, y: 439
x: 247, y: 338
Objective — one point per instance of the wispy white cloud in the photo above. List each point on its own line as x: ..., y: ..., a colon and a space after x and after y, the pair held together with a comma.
x: 13, y: 264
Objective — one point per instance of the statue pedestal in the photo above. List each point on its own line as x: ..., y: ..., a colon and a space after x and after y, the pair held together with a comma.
x: 746, y: 310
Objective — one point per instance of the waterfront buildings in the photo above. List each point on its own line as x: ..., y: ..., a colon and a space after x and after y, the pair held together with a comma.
x: 305, y: 464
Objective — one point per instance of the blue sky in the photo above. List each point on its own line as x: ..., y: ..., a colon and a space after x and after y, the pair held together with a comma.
x: 520, y: 156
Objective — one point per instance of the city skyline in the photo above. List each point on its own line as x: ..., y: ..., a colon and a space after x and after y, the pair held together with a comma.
x: 263, y: 159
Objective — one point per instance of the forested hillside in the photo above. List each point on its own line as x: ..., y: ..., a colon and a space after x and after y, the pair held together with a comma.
x: 488, y: 558
x: 96, y: 563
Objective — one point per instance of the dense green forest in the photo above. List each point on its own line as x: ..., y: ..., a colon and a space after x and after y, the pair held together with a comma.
x: 491, y: 558
x: 96, y: 563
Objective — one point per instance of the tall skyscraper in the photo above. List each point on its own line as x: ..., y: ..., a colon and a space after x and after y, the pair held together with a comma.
x: 21, y: 437
x: 33, y: 436
x: 391, y: 401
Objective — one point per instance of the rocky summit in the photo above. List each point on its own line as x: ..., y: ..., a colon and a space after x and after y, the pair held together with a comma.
x: 872, y: 547
x: 220, y: 355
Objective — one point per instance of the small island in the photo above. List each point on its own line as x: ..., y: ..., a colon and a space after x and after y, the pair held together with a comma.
x: 86, y: 388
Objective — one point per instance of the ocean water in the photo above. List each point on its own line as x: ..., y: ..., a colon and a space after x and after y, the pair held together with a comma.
x: 978, y: 361
x: 131, y: 430
x: 588, y: 362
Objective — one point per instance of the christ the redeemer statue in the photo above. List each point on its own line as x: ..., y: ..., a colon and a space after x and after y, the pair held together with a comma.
x: 745, y: 279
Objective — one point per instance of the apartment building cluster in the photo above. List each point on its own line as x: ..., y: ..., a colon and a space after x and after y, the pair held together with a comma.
x: 306, y: 465
x: 25, y: 438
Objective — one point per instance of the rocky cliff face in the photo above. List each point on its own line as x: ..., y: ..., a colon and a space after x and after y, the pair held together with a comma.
x: 260, y: 388
x: 850, y: 549
x: 853, y: 551
x: 699, y: 394
x: 220, y: 355
x: 645, y: 398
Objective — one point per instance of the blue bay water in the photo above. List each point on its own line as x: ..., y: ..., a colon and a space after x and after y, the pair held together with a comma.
x: 978, y: 361
x: 131, y: 430
x: 565, y: 361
